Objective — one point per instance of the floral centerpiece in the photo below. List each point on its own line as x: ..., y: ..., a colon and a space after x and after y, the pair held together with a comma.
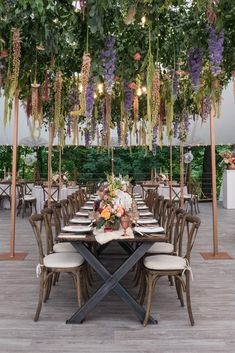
x: 56, y: 178
x: 113, y: 204
x: 228, y: 161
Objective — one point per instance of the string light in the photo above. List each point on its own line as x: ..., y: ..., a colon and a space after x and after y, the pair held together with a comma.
x: 139, y: 91
x: 144, y: 89
x: 76, y: 5
x: 143, y: 21
x: 80, y: 88
x: 100, y: 87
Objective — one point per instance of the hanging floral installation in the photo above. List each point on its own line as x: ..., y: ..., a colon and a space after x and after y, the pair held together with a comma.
x: 143, y: 77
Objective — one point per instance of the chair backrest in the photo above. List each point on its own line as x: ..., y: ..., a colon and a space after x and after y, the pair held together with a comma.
x: 170, y: 220
x: 35, y: 221
x: 191, y: 226
x: 54, y: 193
x: 5, y: 190
x: 28, y: 187
x: 56, y: 207
x: 71, y: 206
x: 157, y: 206
x: 185, y: 232
x: 47, y: 217
x: 65, y: 211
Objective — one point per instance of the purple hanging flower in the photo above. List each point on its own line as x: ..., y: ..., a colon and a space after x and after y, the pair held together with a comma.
x: 195, y: 65
x: 89, y: 99
x: 87, y: 137
x: 216, y: 48
x: 175, y: 129
x: 128, y: 98
x: 108, y: 60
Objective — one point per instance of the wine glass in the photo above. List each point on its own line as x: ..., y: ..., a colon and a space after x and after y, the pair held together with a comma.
x: 91, y: 216
x: 125, y: 222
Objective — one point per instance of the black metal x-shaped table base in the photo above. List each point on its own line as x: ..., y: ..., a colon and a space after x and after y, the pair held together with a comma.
x: 111, y: 282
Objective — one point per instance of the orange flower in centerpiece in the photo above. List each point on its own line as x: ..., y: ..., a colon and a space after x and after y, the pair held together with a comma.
x: 105, y: 214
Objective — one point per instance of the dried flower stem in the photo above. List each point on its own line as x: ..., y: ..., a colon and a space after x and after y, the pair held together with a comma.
x: 57, y: 108
x: 84, y: 78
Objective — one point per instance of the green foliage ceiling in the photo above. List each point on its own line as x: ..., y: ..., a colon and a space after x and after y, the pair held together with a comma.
x: 171, y: 29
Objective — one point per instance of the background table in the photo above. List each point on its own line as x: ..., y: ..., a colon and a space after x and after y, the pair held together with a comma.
x: 37, y: 192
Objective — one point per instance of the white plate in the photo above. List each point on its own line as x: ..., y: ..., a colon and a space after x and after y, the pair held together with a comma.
x: 89, y: 203
x: 147, y: 221
x: 140, y: 202
x: 89, y: 208
x: 80, y: 220
x: 144, y: 214
x: 83, y: 214
x: 142, y: 207
x: 77, y: 229
x: 149, y: 230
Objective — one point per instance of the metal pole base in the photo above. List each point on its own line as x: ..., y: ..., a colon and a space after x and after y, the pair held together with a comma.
x: 20, y: 256
x: 219, y: 256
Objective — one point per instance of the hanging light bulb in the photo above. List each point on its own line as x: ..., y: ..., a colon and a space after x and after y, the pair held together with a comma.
x: 80, y: 88
x: 100, y: 88
x: 139, y: 91
x: 144, y: 89
x: 143, y: 21
x: 95, y: 95
x: 76, y: 5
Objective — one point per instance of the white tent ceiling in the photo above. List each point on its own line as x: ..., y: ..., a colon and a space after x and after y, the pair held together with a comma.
x: 199, y: 134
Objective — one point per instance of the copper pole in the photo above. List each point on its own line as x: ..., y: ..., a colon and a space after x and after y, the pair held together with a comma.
x: 214, y: 193
x: 112, y: 160
x: 14, y: 171
x: 60, y: 178
x: 181, y: 175
x: 49, y: 171
x: 171, y: 171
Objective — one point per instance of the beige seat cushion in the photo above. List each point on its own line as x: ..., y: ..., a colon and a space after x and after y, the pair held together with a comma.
x: 161, y: 248
x: 29, y: 198
x: 63, y: 260
x: 64, y: 247
x: 165, y: 262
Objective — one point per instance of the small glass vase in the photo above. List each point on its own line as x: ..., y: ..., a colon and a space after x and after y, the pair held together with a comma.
x: 112, y: 225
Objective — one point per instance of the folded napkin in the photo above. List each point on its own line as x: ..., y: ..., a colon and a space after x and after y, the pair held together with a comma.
x: 147, y: 221
x: 71, y: 236
x: 87, y: 207
x: 90, y: 202
x: 142, y: 207
x: 104, y: 237
x: 80, y: 220
x: 144, y: 214
x: 83, y: 214
x: 149, y: 230
x: 140, y: 202
x: 77, y: 229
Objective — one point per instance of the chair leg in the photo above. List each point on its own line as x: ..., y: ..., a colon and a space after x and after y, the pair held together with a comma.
x: 48, y: 284
x: 151, y: 280
x: 171, y: 281
x: 178, y: 287
x: 190, y: 313
x: 78, y: 283
x: 40, y: 298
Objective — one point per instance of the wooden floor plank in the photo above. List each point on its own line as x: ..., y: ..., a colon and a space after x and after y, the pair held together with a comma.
x: 112, y: 328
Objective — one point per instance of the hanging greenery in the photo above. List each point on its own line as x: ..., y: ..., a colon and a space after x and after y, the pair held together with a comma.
x: 188, y: 48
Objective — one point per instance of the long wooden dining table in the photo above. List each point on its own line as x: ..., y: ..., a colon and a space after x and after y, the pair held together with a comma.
x: 135, y: 248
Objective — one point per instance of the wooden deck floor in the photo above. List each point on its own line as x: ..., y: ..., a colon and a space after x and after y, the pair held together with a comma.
x: 111, y: 328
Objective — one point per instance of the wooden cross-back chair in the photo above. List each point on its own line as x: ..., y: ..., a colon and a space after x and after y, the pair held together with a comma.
x: 176, y: 266
x: 50, y: 264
